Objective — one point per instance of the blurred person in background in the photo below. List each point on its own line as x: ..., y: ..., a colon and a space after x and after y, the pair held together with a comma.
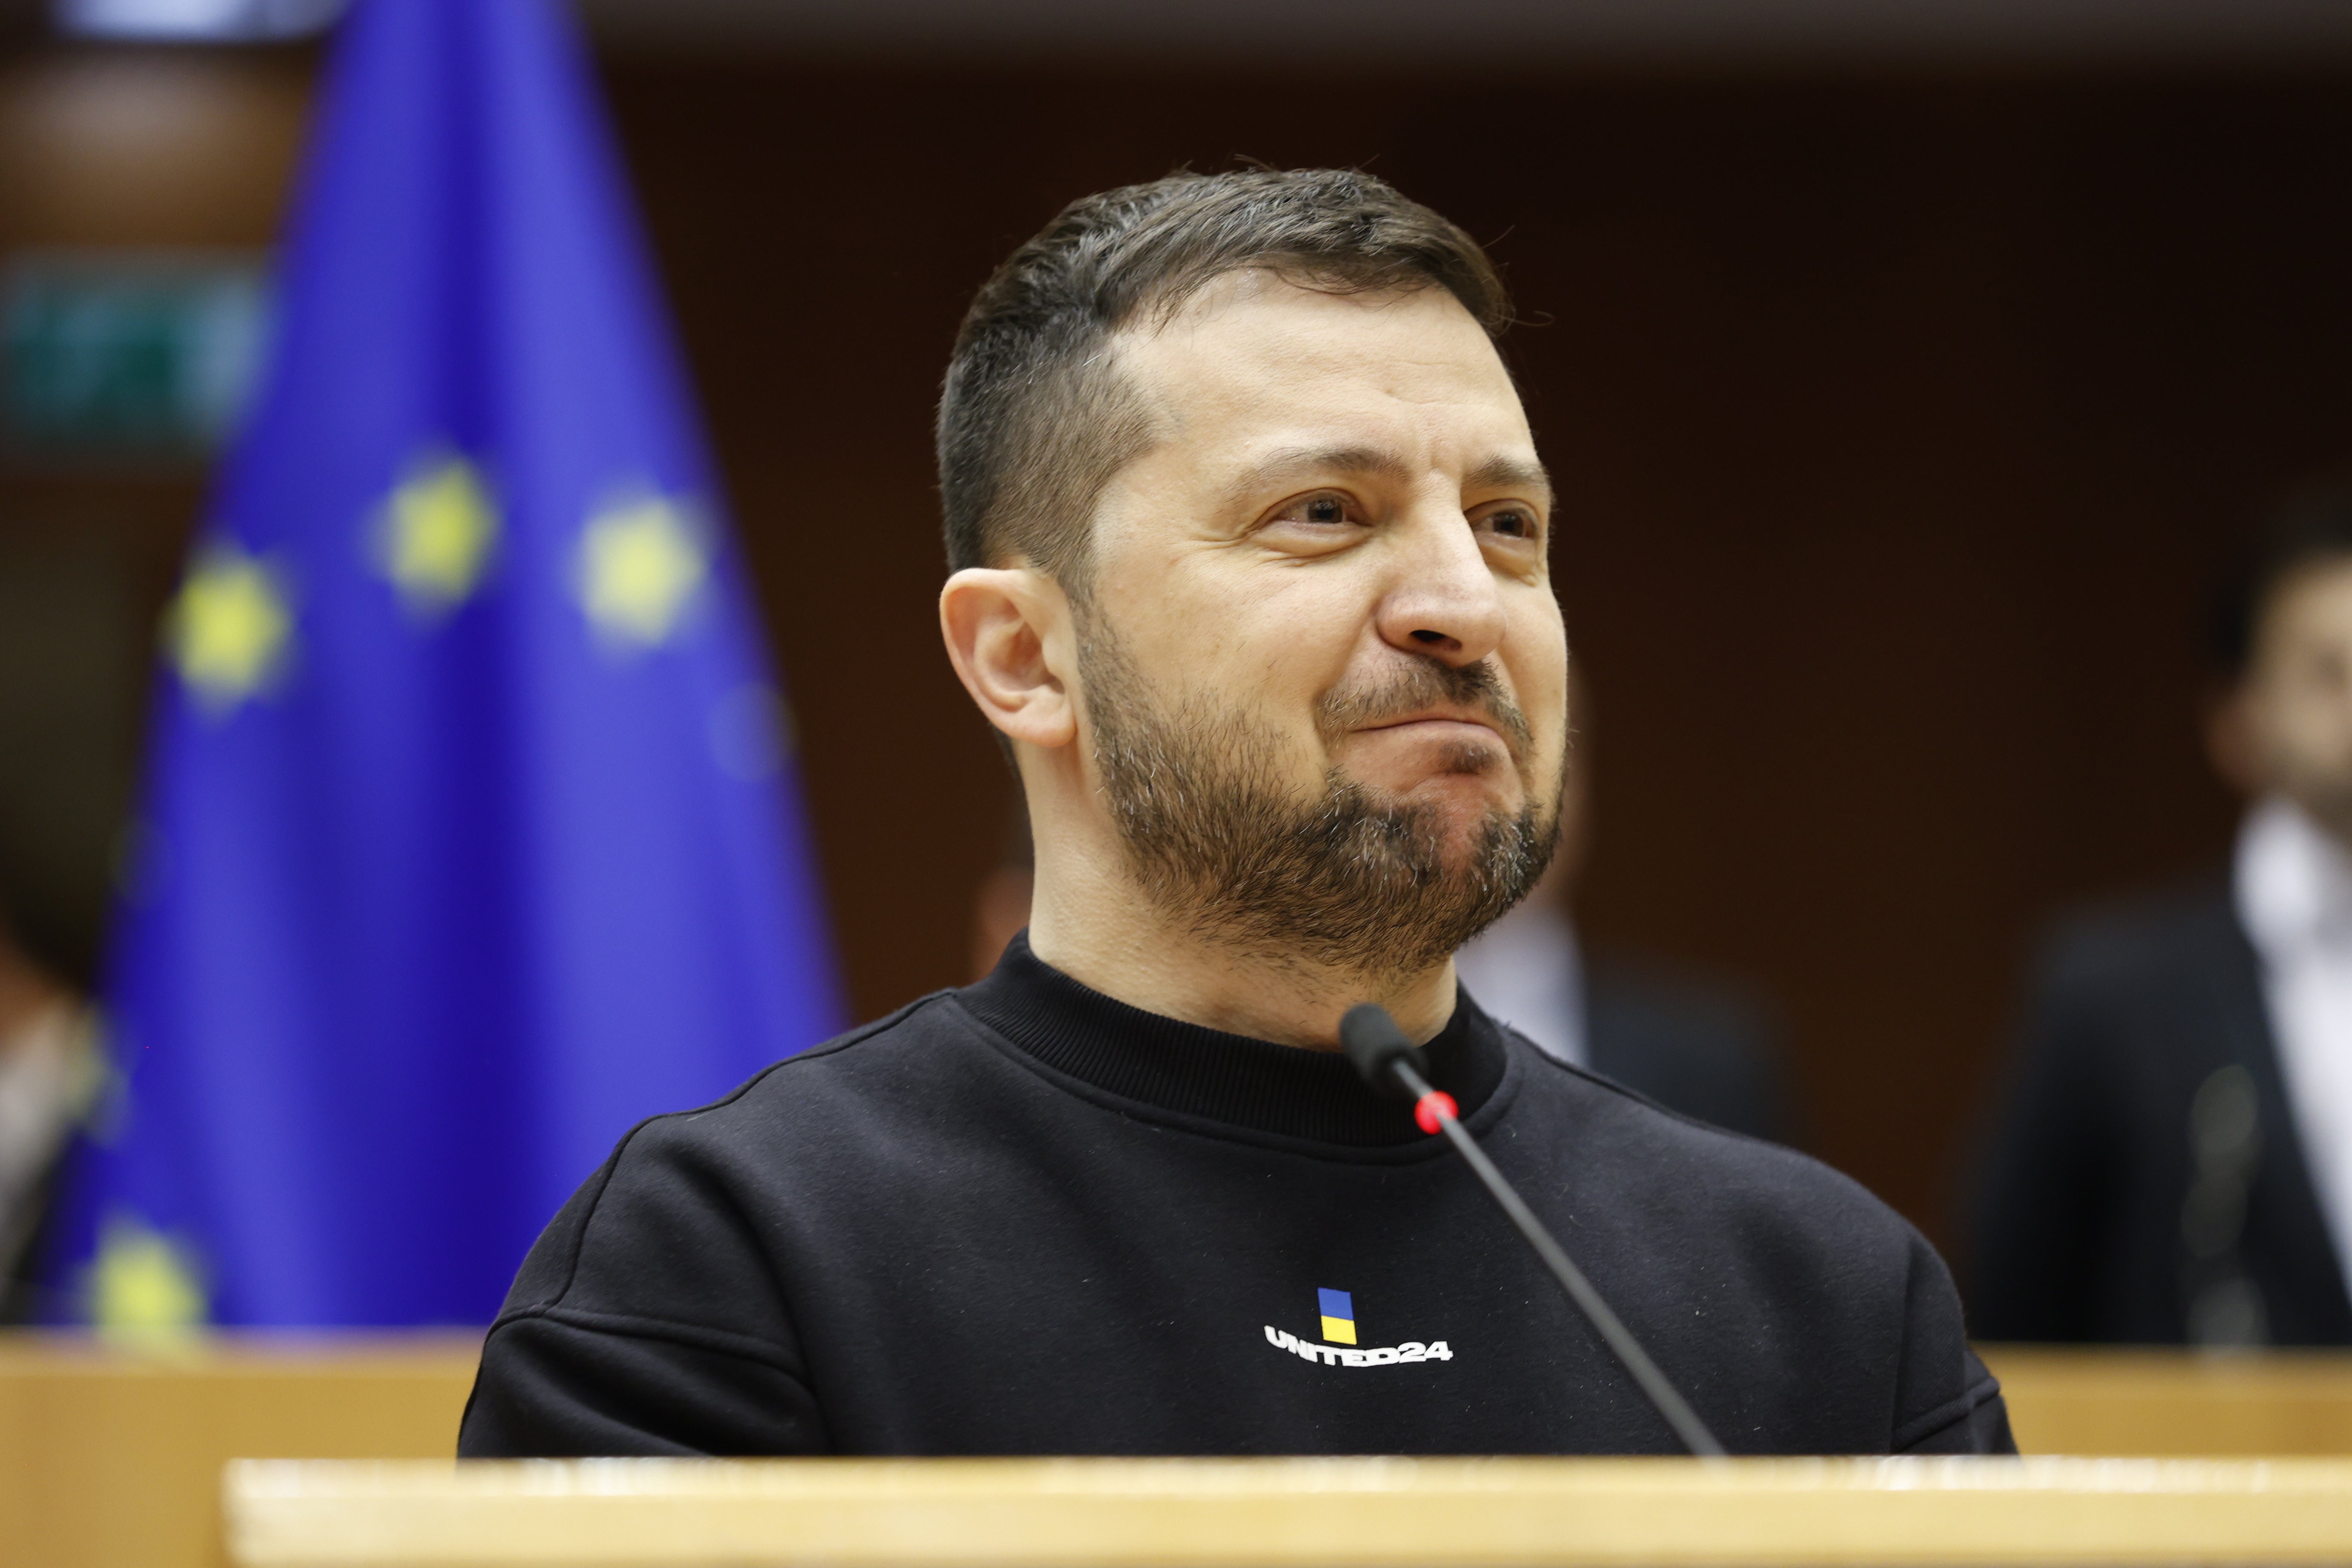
x: 2173, y: 1160
x: 48, y: 1076
x: 1684, y: 1040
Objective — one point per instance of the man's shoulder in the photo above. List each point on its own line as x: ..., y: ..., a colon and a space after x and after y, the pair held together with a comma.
x: 1699, y: 1220
x: 683, y: 1186
x: 1678, y: 1166
x: 897, y: 1056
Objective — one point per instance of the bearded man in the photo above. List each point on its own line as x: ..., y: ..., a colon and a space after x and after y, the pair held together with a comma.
x: 1248, y: 538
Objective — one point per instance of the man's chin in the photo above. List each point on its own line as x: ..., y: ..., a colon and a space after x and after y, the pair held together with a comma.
x: 1456, y: 834
x: 1469, y: 796
x: 1462, y: 842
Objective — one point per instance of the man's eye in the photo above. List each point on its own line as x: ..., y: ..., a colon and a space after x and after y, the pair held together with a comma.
x: 1331, y: 506
x: 1512, y: 524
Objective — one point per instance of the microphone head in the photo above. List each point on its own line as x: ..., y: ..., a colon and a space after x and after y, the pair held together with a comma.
x: 1375, y: 1044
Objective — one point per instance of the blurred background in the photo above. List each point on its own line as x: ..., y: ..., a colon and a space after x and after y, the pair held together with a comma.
x: 1910, y: 371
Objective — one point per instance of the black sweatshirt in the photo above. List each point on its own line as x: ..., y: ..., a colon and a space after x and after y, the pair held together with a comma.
x: 1025, y: 1219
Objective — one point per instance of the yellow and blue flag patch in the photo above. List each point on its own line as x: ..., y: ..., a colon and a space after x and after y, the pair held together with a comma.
x: 1339, y: 1316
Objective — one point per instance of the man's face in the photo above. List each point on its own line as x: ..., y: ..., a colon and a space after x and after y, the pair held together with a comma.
x: 1320, y: 615
x: 2297, y: 697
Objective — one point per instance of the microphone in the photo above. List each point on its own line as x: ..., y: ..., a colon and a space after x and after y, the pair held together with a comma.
x: 1392, y: 1066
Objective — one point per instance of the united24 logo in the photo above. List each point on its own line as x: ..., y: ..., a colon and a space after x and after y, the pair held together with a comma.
x: 1340, y: 1349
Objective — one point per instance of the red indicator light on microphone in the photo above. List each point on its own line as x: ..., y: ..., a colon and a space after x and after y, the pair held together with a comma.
x: 1432, y: 1108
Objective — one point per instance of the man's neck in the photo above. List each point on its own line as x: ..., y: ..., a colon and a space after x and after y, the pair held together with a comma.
x: 1091, y: 923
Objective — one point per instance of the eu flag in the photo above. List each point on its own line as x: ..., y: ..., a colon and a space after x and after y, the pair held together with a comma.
x: 469, y: 837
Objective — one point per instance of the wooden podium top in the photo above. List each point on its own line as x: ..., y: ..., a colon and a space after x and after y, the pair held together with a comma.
x: 1286, y: 1513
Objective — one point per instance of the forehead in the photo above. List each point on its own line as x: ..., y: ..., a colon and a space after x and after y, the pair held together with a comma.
x: 1253, y: 359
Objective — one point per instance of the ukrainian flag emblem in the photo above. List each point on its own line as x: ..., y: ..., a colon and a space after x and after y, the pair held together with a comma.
x: 1339, y: 1316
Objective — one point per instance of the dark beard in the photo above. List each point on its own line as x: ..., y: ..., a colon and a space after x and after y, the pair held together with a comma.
x: 1339, y: 881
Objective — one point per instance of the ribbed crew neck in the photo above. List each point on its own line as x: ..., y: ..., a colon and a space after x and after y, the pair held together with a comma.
x: 1232, y: 1079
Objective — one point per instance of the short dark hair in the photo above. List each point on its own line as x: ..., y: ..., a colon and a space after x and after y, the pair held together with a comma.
x: 2312, y: 526
x: 1033, y: 420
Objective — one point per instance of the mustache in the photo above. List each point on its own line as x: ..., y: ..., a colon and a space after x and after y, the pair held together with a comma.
x: 1423, y: 683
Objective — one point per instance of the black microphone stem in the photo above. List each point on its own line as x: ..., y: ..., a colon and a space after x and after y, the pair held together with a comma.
x: 1669, y: 1402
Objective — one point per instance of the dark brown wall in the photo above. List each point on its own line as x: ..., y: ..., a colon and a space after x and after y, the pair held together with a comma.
x: 1901, y: 425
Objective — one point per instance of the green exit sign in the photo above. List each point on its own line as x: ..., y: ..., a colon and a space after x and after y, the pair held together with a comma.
x: 128, y: 354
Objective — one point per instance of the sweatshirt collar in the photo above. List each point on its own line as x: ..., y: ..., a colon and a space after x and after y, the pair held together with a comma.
x: 1195, y: 1071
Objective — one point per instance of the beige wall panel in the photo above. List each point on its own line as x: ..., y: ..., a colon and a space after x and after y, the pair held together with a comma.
x: 112, y: 1460
x: 2166, y: 1401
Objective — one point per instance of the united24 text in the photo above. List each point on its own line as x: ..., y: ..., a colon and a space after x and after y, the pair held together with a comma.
x: 1347, y: 1355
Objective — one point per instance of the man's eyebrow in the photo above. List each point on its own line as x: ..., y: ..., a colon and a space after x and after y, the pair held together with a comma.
x: 1512, y: 474
x: 1373, y: 461
x: 1501, y: 473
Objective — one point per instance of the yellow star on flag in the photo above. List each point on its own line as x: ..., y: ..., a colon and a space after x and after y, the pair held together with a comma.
x: 436, y: 535
x: 228, y: 629
x: 641, y: 562
x: 144, y: 1287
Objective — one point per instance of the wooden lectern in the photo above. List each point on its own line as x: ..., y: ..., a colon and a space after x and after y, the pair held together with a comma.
x: 1286, y: 1513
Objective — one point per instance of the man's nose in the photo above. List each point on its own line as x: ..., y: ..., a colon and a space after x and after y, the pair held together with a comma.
x: 1442, y: 602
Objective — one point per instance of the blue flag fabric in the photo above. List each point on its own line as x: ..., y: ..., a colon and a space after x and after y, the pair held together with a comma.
x: 468, y: 836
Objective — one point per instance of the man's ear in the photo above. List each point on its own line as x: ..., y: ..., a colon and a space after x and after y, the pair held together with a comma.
x: 1006, y: 629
